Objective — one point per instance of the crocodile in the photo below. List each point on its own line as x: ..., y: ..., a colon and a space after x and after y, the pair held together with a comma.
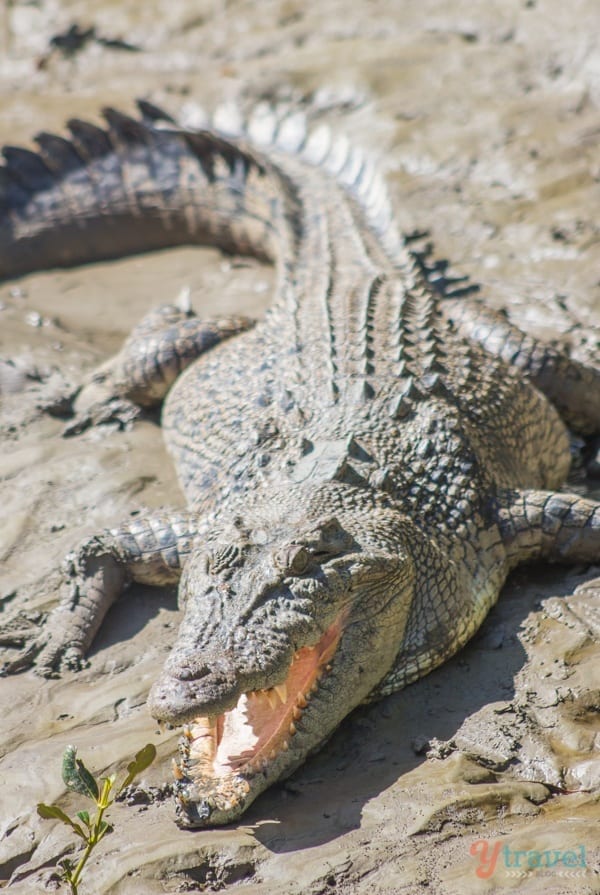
x: 362, y: 467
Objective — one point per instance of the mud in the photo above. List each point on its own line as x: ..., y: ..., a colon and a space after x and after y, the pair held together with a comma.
x: 487, y: 117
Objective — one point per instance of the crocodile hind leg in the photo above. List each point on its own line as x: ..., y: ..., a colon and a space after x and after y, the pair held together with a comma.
x: 150, y: 550
x: 159, y: 348
x: 573, y: 387
x: 549, y: 524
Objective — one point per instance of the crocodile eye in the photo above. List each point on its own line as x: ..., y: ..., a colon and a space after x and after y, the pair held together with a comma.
x: 293, y: 559
x: 331, y: 529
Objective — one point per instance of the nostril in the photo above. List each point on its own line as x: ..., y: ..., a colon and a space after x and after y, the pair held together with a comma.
x: 187, y: 669
x: 190, y: 672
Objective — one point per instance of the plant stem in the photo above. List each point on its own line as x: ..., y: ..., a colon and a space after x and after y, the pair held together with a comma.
x: 92, y: 840
x: 74, y: 880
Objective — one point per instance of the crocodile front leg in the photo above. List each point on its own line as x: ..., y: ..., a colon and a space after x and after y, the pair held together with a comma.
x: 150, y: 549
x: 159, y: 348
x: 548, y: 524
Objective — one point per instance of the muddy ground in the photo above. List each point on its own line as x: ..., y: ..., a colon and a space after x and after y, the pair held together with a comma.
x: 487, y: 115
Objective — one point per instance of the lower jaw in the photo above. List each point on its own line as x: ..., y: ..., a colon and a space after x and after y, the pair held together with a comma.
x: 207, y: 797
x: 199, y: 805
x: 204, y: 801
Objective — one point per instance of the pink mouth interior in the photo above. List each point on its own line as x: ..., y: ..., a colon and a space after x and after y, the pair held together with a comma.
x: 251, y: 735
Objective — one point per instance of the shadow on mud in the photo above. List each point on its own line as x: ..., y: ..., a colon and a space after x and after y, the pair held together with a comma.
x: 131, y: 613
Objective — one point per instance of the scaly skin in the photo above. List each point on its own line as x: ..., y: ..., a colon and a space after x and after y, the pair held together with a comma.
x: 362, y: 468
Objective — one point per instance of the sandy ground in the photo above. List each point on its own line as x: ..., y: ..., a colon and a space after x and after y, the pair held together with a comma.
x: 487, y: 115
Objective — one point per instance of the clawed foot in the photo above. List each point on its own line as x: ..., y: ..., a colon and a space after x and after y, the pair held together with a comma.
x: 97, y: 406
x: 97, y: 402
x: 165, y: 342
x: 37, y: 648
x: 92, y: 579
x: 21, y: 632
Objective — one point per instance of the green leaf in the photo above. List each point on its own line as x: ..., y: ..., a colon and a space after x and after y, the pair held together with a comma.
x: 84, y: 816
x: 142, y: 760
x: 53, y: 811
x: 76, y: 776
x: 104, y: 800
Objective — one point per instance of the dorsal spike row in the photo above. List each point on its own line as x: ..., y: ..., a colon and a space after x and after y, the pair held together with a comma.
x: 348, y: 474
x: 318, y: 145
x: 126, y: 128
x: 89, y: 139
x: 228, y: 119
x: 27, y: 168
x: 401, y: 407
x: 284, y: 128
x: 351, y: 171
x: 194, y: 117
x: 12, y: 192
x: 262, y: 125
x: 291, y: 134
x: 58, y: 153
x: 383, y: 480
x: 357, y: 451
x: 338, y: 155
x: 26, y: 172
x: 152, y: 114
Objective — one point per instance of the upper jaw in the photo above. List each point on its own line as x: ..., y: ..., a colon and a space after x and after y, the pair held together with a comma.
x: 177, y: 701
x: 178, y: 698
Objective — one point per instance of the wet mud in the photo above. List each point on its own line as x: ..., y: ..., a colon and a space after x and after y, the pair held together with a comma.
x: 487, y: 117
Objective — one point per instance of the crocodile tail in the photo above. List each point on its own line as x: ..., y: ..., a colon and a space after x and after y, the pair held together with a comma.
x: 288, y: 131
x: 136, y: 185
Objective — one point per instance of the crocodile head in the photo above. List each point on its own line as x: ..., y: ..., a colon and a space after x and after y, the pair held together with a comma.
x: 291, y: 620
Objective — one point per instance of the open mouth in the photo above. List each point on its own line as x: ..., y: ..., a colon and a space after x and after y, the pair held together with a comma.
x: 247, y: 739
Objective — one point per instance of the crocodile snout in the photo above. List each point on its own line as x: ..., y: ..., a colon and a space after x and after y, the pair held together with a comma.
x: 181, y: 693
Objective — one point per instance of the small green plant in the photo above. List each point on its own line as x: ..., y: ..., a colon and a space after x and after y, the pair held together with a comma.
x: 102, y: 793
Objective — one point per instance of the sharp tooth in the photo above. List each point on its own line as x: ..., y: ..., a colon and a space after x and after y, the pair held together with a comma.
x: 285, y: 745
x: 296, y: 713
x: 281, y: 690
x: 187, y: 732
x: 301, y: 701
x: 273, y: 755
x: 292, y: 728
x: 205, y: 724
x: 272, y: 697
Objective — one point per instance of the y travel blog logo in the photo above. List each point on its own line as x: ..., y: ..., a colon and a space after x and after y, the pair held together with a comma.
x: 490, y: 855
